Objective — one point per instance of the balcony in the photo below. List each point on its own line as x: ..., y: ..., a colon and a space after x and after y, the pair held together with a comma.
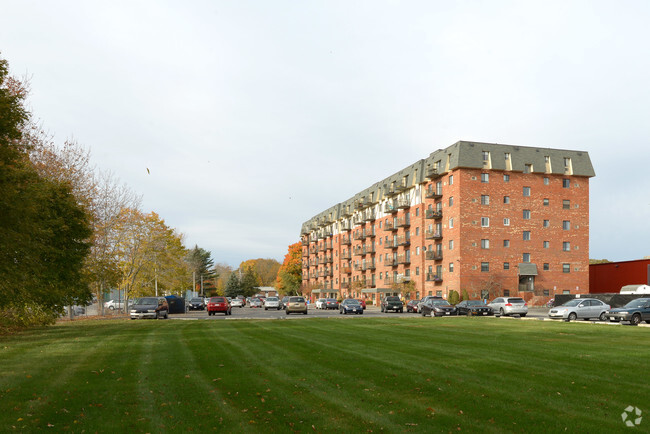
x: 345, y: 226
x: 432, y: 172
x: 328, y: 246
x: 346, y: 270
x: 346, y: 241
x: 304, y: 242
x: 434, y: 256
x: 305, y: 265
x: 345, y: 285
x: 369, y: 215
x: 326, y: 273
x: 403, y: 241
x: 432, y: 277
x: 327, y: 233
x: 321, y: 247
x: 346, y: 256
x: 369, y: 266
x: 305, y: 252
x: 314, y: 262
x: 391, y: 262
x: 433, y: 214
x: 328, y: 260
x: 403, y: 222
x: 313, y: 250
x: 391, y: 207
x: 359, y: 204
x: 403, y: 259
x: 433, y: 193
x: 369, y: 233
x: 369, y: 249
x: 358, y: 251
x: 432, y: 235
x: 390, y: 244
x: 358, y: 236
x: 404, y: 203
x: 390, y: 226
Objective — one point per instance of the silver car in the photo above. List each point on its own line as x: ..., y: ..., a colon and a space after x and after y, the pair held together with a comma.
x: 509, y: 306
x: 272, y: 303
x: 583, y: 308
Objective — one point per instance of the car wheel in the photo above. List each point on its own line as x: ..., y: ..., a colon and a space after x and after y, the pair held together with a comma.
x: 304, y: 313
x: 573, y: 316
x: 603, y: 316
x: 523, y: 315
x: 501, y: 312
x: 361, y: 313
x: 636, y: 319
x: 287, y: 312
x: 423, y: 314
x: 111, y: 307
x: 166, y: 315
x: 401, y: 311
x: 468, y: 313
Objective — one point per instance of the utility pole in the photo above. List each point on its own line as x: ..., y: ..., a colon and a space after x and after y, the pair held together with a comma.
x: 193, y: 282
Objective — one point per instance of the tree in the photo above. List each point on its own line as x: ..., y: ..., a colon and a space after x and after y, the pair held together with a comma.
x: 266, y: 270
x: 233, y: 288
x: 290, y: 273
x: 249, y: 282
x: 200, y: 264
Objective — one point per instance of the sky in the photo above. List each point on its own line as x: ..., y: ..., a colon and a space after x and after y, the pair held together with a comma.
x: 236, y: 121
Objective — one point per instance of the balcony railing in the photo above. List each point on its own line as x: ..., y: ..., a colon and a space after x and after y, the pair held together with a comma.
x: 434, y: 256
x: 328, y: 260
x: 346, y: 241
x: 305, y: 252
x: 390, y: 244
x: 346, y: 255
x: 304, y: 241
x: 391, y: 207
x: 326, y: 273
x: 390, y: 262
x: 313, y: 249
x: 390, y: 226
x: 370, y: 233
x: 433, y: 214
x: 368, y: 266
x: 432, y: 235
x: 403, y: 259
x: 358, y: 236
x: 433, y: 277
x: 321, y: 247
x: 433, y: 193
x: 370, y: 215
x: 358, y: 251
x: 345, y: 226
x: 404, y: 203
x: 403, y: 222
x: 369, y: 249
x: 345, y: 285
x: 328, y: 246
x: 403, y: 241
x: 346, y: 270
x: 432, y: 172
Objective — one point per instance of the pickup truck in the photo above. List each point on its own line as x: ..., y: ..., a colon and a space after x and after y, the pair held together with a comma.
x: 392, y: 303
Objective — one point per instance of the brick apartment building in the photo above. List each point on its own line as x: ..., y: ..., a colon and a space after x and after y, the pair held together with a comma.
x: 486, y: 218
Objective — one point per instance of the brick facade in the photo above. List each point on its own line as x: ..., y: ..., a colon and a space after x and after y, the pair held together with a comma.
x: 459, y: 220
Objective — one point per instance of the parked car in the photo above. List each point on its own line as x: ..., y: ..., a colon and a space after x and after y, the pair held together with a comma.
x: 196, y: 303
x: 509, y: 306
x: 635, y: 311
x: 362, y: 302
x: 583, y: 308
x: 115, y: 304
x: 428, y: 297
x: 296, y: 305
x: 219, y: 304
x: 285, y: 300
x: 320, y: 303
x: 237, y: 302
x: 254, y: 302
x: 150, y: 307
x: 393, y: 303
x: 412, y: 306
x: 437, y: 307
x: 331, y: 303
x: 272, y: 303
x: 350, y: 305
x: 474, y: 308
x: 243, y: 299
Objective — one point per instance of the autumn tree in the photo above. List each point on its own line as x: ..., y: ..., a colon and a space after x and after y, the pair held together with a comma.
x: 233, y: 288
x: 265, y: 269
x: 201, y: 265
x: 222, y: 272
x: 289, y: 276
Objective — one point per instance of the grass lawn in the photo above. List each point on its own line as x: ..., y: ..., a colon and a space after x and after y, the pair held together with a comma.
x: 353, y: 374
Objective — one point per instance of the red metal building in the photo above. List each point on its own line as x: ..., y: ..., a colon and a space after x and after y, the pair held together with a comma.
x: 611, y: 276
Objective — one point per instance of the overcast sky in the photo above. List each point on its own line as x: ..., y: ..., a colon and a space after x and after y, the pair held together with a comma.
x: 253, y: 116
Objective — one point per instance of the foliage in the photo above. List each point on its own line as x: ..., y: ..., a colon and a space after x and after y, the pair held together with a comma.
x: 249, y: 282
x: 465, y: 295
x: 266, y: 270
x: 233, y: 288
x: 599, y: 261
x: 453, y: 297
x: 290, y: 273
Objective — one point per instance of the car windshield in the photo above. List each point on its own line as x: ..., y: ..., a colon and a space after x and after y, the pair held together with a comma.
x: 392, y: 298
x: 516, y: 300
x: 352, y: 302
x: 474, y: 303
x: 272, y: 299
x: 440, y: 303
x: 330, y: 300
x: 296, y: 300
x: 638, y: 303
x: 572, y: 303
x: 197, y: 300
x: 147, y: 300
x: 217, y: 300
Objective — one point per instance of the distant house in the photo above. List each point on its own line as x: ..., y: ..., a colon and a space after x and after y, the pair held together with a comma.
x: 267, y: 291
x: 612, y: 276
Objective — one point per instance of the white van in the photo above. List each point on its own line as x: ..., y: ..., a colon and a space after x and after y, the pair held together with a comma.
x: 635, y: 289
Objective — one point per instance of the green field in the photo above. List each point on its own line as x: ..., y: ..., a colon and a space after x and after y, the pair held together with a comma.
x: 354, y: 374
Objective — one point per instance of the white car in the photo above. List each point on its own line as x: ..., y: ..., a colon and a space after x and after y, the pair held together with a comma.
x: 236, y: 302
x: 272, y: 303
x: 509, y: 306
x: 114, y: 304
x: 320, y: 303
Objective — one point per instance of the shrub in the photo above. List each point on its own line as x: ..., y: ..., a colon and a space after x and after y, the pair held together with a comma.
x: 454, y: 298
x: 465, y: 295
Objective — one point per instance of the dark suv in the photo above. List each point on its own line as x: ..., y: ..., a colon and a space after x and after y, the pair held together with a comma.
x: 150, y: 307
x: 392, y: 302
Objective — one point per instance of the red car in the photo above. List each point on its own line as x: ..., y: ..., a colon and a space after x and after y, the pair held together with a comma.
x: 363, y: 303
x: 219, y: 304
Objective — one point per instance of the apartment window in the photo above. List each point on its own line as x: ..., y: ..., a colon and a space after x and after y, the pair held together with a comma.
x: 566, y: 183
x: 546, y: 266
x: 485, y: 177
x: 546, y: 292
x: 546, y: 180
x: 451, y: 244
x: 417, y: 212
x: 566, y: 246
x: 506, y: 199
x: 526, y: 235
x: 486, y: 156
x: 528, y: 168
x: 451, y: 200
x: 451, y: 223
x: 506, y: 243
x: 506, y: 265
x: 451, y: 267
x: 417, y: 271
x: 506, y: 178
x: 506, y: 222
x: 546, y: 244
x: 526, y: 214
x: 485, y: 222
x: 566, y: 268
x: 485, y: 199
x: 485, y: 267
x: 451, y: 179
x: 566, y: 204
x: 485, y: 244
x: 506, y: 293
x: 525, y: 257
x: 417, y: 251
x: 526, y: 191
x: 417, y: 231
x: 546, y: 202
x: 546, y: 223
x: 566, y: 225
